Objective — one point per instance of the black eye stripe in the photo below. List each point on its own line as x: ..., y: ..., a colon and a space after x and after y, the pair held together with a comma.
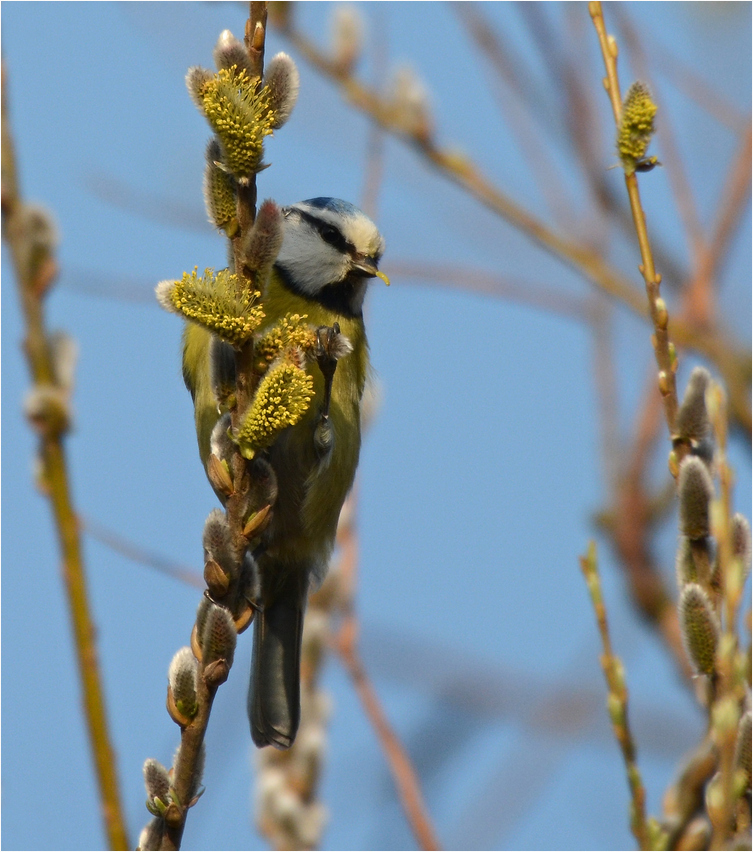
x: 329, y: 233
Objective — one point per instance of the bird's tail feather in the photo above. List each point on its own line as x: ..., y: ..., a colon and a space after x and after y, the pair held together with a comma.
x: 274, y: 702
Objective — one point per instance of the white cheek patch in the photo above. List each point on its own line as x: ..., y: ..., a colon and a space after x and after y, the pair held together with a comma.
x: 309, y: 261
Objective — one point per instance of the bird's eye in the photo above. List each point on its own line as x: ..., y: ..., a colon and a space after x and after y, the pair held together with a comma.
x: 331, y: 235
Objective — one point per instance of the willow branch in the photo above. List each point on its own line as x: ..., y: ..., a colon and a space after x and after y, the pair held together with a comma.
x: 617, y: 701
x: 34, y: 279
x: 345, y: 643
x: 665, y: 359
x: 401, y: 768
x: 189, y: 759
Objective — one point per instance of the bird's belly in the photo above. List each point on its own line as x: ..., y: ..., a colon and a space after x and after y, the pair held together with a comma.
x: 312, y: 489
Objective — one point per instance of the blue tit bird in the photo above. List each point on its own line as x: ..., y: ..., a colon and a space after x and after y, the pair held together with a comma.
x: 330, y: 250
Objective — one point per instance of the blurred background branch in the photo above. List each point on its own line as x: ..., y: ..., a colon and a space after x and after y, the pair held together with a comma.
x: 30, y: 234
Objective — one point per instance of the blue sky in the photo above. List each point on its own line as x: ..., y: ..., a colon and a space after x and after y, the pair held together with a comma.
x: 479, y: 479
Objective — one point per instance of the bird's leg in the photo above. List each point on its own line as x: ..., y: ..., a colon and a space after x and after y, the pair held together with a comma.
x: 331, y: 345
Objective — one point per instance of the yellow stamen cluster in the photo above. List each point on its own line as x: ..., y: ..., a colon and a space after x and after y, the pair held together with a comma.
x: 292, y: 331
x: 282, y: 398
x: 636, y: 126
x: 240, y: 116
x: 222, y: 303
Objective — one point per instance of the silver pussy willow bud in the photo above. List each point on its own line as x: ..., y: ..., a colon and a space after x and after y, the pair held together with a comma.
x: 281, y: 82
x: 700, y: 628
x: 695, y: 491
x: 64, y: 352
x: 220, y: 442
x: 741, y: 541
x: 229, y: 52
x: 692, y: 420
x: 151, y: 835
x: 685, y: 568
x: 196, y: 79
x: 222, y: 372
x: 40, y: 240
x: 182, y: 675
x: 410, y: 103
x: 156, y: 779
x: 218, y: 542
x: 218, y: 637
x: 202, y: 612
x: 262, y: 243
x: 347, y: 37
x: 743, y: 747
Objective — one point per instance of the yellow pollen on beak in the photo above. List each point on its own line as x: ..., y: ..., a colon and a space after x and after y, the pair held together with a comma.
x: 383, y: 277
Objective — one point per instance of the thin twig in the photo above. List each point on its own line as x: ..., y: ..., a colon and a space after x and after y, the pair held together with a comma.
x: 514, y: 108
x: 617, y: 701
x: 142, y: 556
x: 468, y: 279
x: 732, y: 205
x: 401, y: 767
x: 665, y: 359
x: 671, y: 157
x: 33, y: 282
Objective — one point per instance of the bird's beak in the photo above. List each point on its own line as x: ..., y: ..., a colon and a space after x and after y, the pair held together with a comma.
x: 366, y: 266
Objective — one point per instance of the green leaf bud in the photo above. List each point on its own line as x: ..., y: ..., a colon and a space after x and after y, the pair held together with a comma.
x: 221, y: 303
x: 700, y: 628
x: 692, y: 420
x: 636, y: 127
x: 282, y: 398
x: 218, y: 637
x: 181, y: 676
x: 220, y: 196
x: 261, y: 244
x: 229, y: 53
x: 256, y: 522
x: 695, y: 491
x: 156, y: 779
x: 281, y: 84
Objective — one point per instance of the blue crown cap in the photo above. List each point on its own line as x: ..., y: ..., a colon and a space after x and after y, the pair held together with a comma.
x: 336, y: 205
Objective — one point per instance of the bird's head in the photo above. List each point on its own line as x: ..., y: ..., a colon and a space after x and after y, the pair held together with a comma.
x: 330, y: 250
